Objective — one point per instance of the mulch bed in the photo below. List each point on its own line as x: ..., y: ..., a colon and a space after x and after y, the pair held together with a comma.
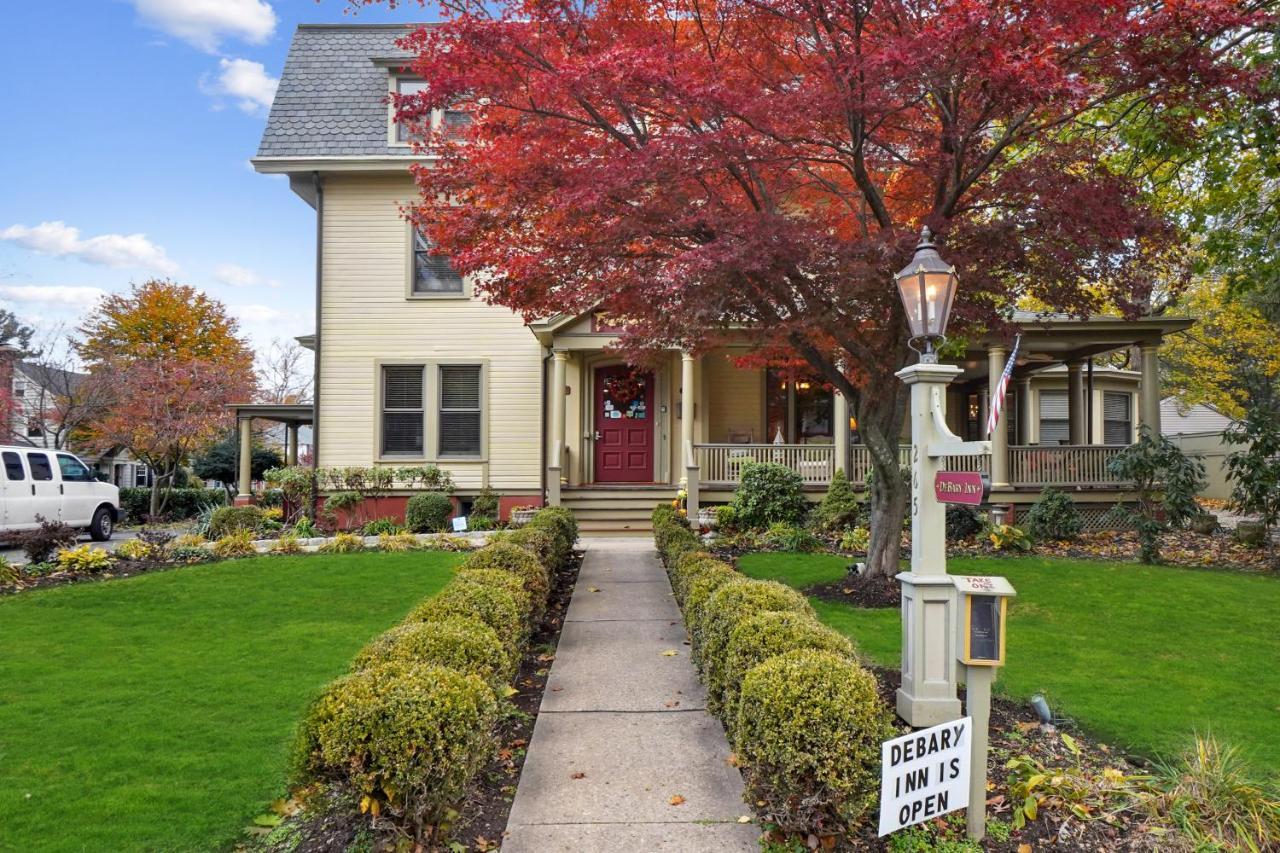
x: 1015, y: 731
x: 329, y: 820
x: 1184, y: 548
x: 121, y: 569
x: 860, y: 592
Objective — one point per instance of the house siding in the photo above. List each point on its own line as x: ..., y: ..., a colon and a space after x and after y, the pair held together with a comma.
x: 366, y: 318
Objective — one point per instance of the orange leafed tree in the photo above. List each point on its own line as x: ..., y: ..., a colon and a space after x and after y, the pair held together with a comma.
x: 168, y: 359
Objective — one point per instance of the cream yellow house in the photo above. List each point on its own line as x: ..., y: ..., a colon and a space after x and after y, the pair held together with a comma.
x: 413, y: 368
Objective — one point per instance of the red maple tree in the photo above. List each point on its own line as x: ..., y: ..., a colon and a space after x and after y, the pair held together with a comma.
x: 758, y: 169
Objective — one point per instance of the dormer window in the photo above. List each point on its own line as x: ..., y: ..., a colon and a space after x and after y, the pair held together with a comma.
x: 406, y: 86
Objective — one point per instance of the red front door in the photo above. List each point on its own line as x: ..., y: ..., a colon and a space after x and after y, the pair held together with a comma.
x: 623, y: 425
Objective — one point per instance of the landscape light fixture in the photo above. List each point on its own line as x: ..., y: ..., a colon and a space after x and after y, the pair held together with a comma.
x: 927, y: 286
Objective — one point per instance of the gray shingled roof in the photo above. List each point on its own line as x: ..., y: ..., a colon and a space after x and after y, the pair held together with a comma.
x: 332, y: 96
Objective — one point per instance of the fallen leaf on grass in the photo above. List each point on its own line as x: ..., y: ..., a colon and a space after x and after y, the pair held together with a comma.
x: 1024, y: 848
x: 676, y: 800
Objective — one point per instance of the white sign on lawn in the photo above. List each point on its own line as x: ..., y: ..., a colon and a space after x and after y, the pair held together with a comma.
x: 924, y: 774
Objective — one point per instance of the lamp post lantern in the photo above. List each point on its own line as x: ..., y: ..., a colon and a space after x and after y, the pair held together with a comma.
x: 927, y: 287
x: 927, y: 696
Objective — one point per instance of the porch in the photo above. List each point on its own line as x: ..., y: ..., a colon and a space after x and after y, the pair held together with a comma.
x: 696, y: 420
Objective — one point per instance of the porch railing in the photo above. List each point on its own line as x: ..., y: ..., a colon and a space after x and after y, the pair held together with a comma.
x: 1075, y: 465
x: 722, y: 463
x: 1066, y: 465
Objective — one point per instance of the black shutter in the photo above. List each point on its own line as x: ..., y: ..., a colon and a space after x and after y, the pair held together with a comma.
x: 460, y: 410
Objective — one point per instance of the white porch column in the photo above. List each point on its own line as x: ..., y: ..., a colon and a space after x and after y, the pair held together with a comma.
x: 996, y: 356
x: 291, y: 444
x: 1075, y: 403
x: 556, y: 400
x: 840, y: 411
x: 1024, y: 409
x: 1149, y: 388
x: 688, y: 398
x: 244, y: 491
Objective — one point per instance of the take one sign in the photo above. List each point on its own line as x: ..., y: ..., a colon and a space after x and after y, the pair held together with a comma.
x: 959, y: 487
x: 924, y: 774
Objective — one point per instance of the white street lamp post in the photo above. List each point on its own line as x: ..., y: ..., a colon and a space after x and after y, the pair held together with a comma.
x: 927, y: 696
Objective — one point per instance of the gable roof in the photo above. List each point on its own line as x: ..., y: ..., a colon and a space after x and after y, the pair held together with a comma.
x: 53, y: 379
x: 332, y: 98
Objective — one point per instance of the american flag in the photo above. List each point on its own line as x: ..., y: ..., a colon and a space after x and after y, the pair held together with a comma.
x: 1002, y: 388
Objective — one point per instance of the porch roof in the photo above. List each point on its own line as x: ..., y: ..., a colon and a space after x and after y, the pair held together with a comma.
x: 287, y: 413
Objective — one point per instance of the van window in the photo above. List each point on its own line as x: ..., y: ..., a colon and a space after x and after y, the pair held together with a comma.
x: 40, y: 467
x: 13, y: 466
x: 73, y: 470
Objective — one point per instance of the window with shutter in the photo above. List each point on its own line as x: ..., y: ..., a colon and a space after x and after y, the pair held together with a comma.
x: 1055, y: 428
x: 402, y: 410
x: 432, y: 273
x: 1117, y: 417
x: 460, y: 410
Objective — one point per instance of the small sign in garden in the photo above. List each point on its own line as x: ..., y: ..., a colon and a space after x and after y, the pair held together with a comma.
x: 924, y: 774
x: 960, y: 487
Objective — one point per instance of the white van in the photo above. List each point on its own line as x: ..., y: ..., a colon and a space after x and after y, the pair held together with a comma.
x: 56, y: 486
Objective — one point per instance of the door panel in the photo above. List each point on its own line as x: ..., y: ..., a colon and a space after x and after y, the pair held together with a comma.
x: 18, y: 512
x: 79, y: 491
x: 623, y: 415
x: 46, y: 502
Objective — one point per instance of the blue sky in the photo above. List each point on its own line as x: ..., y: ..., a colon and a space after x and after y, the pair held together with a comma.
x: 128, y: 127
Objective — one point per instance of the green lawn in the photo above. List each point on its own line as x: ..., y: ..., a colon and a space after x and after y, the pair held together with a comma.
x: 156, y: 712
x: 1141, y: 656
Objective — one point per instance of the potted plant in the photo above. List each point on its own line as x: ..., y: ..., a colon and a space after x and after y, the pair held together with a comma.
x: 522, y: 515
x: 707, y: 518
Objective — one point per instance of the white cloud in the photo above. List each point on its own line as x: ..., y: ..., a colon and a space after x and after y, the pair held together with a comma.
x: 110, y: 250
x: 234, y: 275
x: 205, y: 23
x: 245, y: 81
x: 53, y: 296
x: 262, y: 323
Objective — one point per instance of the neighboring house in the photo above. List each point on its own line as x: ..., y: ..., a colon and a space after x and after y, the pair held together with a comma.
x: 411, y: 368
x: 1198, y: 431
x: 35, y: 390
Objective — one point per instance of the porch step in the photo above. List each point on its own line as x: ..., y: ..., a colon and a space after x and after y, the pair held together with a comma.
x: 620, y: 511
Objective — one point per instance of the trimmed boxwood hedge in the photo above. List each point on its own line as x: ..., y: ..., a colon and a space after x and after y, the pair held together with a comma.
x: 412, y: 725
x: 804, y: 717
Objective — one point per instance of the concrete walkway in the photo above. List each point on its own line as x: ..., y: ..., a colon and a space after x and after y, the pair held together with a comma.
x: 623, y: 727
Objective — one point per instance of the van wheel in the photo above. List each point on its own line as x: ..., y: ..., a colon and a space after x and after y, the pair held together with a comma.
x: 101, y: 526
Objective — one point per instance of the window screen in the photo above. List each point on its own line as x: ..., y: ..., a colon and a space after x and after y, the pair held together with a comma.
x: 1117, y: 417
x: 460, y: 410
x: 402, y: 412
x: 13, y: 466
x: 432, y: 273
x: 40, y: 467
x: 1054, y: 426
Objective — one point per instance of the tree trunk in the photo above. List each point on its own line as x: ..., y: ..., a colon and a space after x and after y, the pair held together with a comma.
x: 879, y: 414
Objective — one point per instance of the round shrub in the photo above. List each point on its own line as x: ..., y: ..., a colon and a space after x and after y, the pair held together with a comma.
x: 769, y: 493
x: 1054, y: 516
x: 428, y: 512
x: 757, y: 638
x: 408, y: 736
x: 562, y: 526
x: 808, y: 732
x: 487, y: 603
x: 538, y: 542
x: 234, y: 519
x: 962, y: 522
x: 516, y: 561
x: 467, y: 645
x: 687, y: 568
x: 729, y: 605
x: 505, y: 581
x: 680, y: 541
x: 700, y: 591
